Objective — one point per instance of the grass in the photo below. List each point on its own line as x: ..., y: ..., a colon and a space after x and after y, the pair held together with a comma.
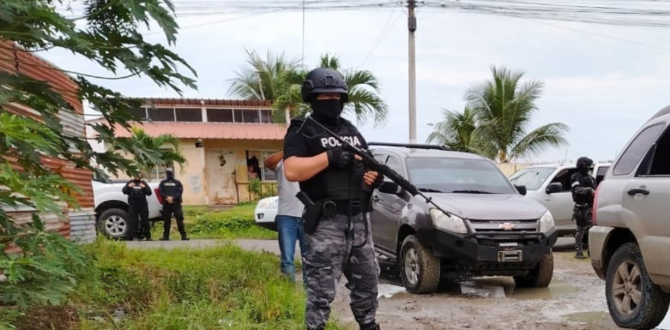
x: 221, y: 287
x: 203, y: 223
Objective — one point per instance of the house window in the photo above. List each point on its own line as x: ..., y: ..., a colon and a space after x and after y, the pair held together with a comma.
x: 247, y: 116
x: 158, y: 172
x: 139, y: 112
x: 161, y: 114
x: 220, y: 115
x: 255, y: 164
x: 266, y: 116
x: 189, y: 114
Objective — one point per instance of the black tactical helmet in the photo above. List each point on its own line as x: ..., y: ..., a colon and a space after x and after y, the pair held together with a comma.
x: 324, y: 80
x: 584, y: 162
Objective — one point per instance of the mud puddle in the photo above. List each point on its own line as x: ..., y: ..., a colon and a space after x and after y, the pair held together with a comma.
x: 602, y: 319
x: 500, y: 287
x: 389, y: 290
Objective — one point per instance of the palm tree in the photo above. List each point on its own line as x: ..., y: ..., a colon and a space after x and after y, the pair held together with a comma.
x: 279, y: 80
x: 455, y: 131
x: 273, y: 78
x: 150, y: 151
x: 364, y: 89
x: 503, y: 108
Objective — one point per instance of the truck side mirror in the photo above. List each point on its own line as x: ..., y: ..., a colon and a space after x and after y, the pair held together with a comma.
x: 390, y: 187
x: 521, y: 189
x: 554, y: 188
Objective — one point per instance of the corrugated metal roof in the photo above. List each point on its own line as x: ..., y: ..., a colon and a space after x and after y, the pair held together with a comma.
x: 171, y: 102
x: 226, y: 131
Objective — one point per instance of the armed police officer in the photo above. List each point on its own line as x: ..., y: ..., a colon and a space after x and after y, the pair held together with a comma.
x: 171, y: 190
x: 137, y: 191
x: 338, y: 185
x: 583, y: 190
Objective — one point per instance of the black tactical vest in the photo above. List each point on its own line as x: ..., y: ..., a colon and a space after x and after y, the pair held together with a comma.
x: 170, y: 188
x: 585, y: 180
x: 137, y: 194
x: 334, y: 183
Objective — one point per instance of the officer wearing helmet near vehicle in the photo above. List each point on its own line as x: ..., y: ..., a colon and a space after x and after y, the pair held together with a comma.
x: 583, y: 190
x: 171, y: 190
x: 338, y: 182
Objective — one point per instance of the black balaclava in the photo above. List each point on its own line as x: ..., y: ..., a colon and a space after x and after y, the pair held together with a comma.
x: 169, y: 173
x: 327, y: 111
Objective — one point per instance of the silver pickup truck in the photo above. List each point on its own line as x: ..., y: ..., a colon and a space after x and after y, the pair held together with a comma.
x: 549, y: 184
x: 111, y: 207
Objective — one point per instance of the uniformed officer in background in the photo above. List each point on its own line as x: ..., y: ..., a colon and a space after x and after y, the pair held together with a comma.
x: 171, y: 190
x: 334, y: 179
x: 583, y: 190
x: 137, y: 191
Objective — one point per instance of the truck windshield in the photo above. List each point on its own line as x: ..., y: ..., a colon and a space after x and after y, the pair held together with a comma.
x: 532, y: 177
x: 454, y: 175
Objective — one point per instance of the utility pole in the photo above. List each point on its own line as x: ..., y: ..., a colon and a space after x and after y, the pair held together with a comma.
x: 411, y: 26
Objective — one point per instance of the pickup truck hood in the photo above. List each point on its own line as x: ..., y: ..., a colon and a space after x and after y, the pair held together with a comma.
x: 490, y: 206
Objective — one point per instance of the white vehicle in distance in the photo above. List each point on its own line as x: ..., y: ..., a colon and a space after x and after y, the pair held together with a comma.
x: 549, y: 184
x: 266, y: 212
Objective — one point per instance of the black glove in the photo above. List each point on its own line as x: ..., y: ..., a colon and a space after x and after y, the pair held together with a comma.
x: 339, y: 157
x: 378, y: 181
x: 358, y: 168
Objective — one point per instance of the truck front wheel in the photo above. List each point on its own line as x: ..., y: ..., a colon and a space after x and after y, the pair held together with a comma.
x: 540, y: 276
x: 419, y: 269
x: 113, y: 223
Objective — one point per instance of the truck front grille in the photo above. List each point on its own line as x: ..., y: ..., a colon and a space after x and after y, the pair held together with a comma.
x: 504, y: 225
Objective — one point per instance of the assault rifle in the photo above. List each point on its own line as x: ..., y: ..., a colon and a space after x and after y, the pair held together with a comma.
x: 372, y: 163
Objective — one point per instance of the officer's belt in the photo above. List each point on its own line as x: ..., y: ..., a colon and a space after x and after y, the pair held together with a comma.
x: 582, y: 205
x: 331, y: 207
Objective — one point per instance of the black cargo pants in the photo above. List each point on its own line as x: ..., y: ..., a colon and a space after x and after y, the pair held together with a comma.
x: 168, y: 211
x: 138, y: 228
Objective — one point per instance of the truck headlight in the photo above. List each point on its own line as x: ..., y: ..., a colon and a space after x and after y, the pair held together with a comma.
x: 546, y: 222
x: 451, y: 223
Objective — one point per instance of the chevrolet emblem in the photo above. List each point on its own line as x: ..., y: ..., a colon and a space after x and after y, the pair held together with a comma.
x: 507, y: 226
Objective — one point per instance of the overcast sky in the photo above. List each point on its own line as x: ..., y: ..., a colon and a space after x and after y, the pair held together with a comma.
x: 603, y: 81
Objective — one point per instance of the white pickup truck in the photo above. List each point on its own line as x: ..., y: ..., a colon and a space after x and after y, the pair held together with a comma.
x: 111, y: 207
x: 549, y: 184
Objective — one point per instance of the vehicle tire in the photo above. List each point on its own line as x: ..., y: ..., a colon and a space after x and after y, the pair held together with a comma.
x: 540, y: 276
x: 627, y: 271
x: 419, y: 269
x: 113, y: 223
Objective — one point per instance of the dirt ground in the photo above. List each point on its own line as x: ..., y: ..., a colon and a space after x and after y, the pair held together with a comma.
x: 575, y: 300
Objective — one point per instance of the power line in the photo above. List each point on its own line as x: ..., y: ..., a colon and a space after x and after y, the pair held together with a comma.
x: 598, y: 34
x: 624, y: 14
x: 216, y: 22
x: 382, y: 34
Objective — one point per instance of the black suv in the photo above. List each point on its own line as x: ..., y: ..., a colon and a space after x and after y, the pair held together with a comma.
x: 489, y: 229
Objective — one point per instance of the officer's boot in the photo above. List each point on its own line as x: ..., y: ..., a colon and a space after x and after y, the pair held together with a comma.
x: 164, y: 238
x: 370, y: 326
x: 184, y: 237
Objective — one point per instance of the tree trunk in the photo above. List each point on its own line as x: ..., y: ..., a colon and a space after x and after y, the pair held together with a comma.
x: 287, y: 114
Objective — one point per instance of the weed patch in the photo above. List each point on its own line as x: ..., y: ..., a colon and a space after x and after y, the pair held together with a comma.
x: 221, y: 287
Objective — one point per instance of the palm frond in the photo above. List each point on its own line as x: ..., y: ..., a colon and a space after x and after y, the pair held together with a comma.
x: 549, y: 135
x: 504, y: 107
x: 329, y: 61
